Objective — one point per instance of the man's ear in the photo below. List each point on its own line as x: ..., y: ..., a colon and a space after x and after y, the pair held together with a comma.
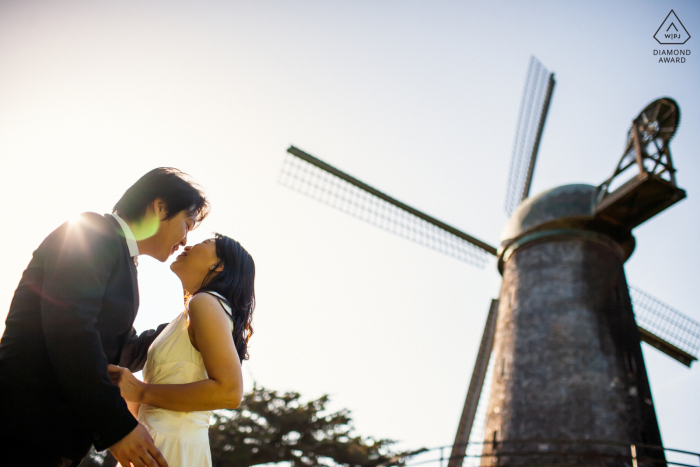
x: 160, y: 208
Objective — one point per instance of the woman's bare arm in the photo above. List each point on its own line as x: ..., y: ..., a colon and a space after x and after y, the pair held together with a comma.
x: 223, y: 389
x: 133, y: 408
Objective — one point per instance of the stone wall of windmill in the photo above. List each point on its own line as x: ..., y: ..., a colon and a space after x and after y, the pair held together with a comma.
x: 569, y: 382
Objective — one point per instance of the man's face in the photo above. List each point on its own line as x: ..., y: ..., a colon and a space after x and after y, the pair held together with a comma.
x: 171, y: 234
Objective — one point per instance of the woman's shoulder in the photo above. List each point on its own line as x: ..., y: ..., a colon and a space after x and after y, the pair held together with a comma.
x: 216, y: 297
x: 209, y: 301
x: 206, y: 306
x: 203, y: 299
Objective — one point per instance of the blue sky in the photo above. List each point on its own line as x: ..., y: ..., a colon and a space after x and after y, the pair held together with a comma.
x: 419, y: 99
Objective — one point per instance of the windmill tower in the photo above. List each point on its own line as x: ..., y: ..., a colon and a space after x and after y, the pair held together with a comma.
x: 569, y: 380
x: 569, y: 372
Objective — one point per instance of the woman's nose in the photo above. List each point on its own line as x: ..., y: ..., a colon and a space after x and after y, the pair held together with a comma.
x: 187, y: 248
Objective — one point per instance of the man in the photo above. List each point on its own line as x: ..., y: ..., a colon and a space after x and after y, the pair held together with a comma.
x: 72, y: 314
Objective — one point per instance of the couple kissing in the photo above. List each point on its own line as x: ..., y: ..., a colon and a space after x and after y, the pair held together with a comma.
x: 69, y: 347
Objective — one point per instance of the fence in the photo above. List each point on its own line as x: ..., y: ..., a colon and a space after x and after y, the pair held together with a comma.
x: 561, y: 452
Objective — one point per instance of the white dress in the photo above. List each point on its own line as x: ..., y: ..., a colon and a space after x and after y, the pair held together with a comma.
x: 182, y: 437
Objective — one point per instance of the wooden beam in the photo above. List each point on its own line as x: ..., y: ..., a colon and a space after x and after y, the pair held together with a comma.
x: 475, y: 387
x: 638, y: 147
x: 666, y: 347
x: 538, y: 138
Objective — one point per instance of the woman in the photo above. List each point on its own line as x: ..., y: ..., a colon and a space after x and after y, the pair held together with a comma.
x: 194, y: 365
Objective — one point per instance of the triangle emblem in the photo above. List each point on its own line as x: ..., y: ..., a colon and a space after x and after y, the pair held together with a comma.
x: 672, y: 31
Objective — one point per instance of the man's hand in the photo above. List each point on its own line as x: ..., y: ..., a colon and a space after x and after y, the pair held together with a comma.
x: 137, y: 448
x: 130, y: 387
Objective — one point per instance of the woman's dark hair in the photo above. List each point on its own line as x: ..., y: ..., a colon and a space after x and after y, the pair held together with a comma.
x: 169, y: 184
x: 235, y: 283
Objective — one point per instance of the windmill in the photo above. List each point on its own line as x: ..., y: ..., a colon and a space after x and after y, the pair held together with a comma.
x: 569, y: 381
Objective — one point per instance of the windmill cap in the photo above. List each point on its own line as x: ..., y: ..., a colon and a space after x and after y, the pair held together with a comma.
x: 562, y: 211
x: 563, y: 206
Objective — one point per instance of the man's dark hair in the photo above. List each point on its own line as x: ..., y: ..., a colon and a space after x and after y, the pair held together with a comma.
x: 172, y: 186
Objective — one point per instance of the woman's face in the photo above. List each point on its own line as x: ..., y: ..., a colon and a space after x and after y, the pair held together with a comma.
x: 194, y: 263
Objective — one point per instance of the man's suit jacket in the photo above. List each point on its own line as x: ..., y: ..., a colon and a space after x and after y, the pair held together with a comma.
x: 71, y: 315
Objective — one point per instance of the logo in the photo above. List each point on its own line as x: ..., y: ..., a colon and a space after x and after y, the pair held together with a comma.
x: 672, y: 31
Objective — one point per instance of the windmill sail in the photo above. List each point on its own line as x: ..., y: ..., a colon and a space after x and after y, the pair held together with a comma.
x: 466, y: 422
x: 666, y: 328
x: 534, y: 107
x: 313, y: 177
x: 472, y: 455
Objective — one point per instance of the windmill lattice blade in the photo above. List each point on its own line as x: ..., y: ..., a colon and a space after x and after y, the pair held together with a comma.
x: 316, y: 179
x: 477, y: 435
x: 476, y: 384
x: 666, y: 325
x: 539, y: 86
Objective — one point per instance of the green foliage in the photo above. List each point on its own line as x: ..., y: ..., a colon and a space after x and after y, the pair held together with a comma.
x: 270, y: 427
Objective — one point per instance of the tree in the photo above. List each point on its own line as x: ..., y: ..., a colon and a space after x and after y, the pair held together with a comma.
x: 271, y: 427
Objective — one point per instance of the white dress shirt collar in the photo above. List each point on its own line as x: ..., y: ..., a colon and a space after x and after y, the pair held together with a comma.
x: 129, y: 235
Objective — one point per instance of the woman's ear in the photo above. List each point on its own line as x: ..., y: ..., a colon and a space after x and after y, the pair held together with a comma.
x: 220, y: 267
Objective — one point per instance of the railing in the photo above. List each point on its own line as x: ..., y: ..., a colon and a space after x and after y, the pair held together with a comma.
x: 568, y: 454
